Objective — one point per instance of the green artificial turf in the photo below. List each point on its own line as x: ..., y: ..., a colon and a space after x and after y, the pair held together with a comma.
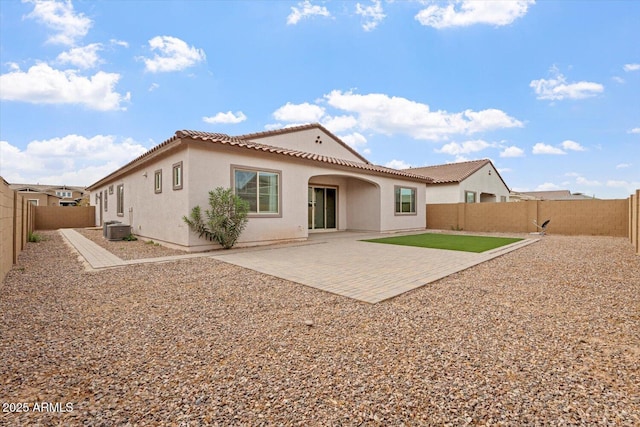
x: 454, y: 242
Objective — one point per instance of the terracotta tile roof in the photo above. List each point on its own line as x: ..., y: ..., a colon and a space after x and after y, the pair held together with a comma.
x: 243, y: 142
x: 450, y: 172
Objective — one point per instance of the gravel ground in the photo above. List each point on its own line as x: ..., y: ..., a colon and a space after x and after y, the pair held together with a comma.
x: 128, y: 250
x: 546, y: 335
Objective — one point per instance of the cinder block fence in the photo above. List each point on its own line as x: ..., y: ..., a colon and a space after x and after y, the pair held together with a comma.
x: 618, y: 217
x: 16, y: 222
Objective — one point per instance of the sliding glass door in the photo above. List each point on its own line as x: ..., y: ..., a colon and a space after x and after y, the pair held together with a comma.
x: 322, y: 208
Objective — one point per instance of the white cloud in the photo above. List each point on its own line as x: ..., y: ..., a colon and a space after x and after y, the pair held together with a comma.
x: 305, y: 10
x: 59, y: 16
x: 631, y: 67
x: 72, y: 160
x: 120, y: 43
x: 45, y: 85
x: 512, y: 151
x: 541, y: 148
x: 373, y: 14
x: 227, y: 117
x: 634, y: 130
x: 547, y: 186
x: 173, y: 55
x: 470, y: 12
x: 618, y: 79
x: 153, y: 87
x: 466, y: 147
x: 572, y: 145
x: 300, y: 113
x: 82, y: 57
x: 339, y: 123
x: 397, y: 164
x: 390, y: 115
x: 623, y: 165
x: 354, y: 140
x: 584, y: 181
x: 557, y: 88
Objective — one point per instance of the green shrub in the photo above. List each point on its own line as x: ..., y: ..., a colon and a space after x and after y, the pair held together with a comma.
x: 226, y: 219
x: 34, y: 237
x: 130, y: 238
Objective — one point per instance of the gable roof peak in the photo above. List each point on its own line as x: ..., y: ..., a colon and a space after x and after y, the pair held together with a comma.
x: 298, y: 128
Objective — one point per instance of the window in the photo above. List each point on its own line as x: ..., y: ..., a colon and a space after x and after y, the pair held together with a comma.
x: 157, y: 181
x: 177, y: 176
x: 34, y: 202
x: 470, y: 196
x: 503, y: 198
x: 66, y: 194
x: 111, y: 189
x: 261, y: 189
x: 405, y: 200
x: 106, y: 200
x: 120, y: 200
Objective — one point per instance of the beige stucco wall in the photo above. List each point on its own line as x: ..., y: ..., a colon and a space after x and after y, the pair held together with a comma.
x: 442, y: 193
x: 365, y: 202
x: 479, y: 182
x: 482, y: 182
x: 311, y: 141
x: 151, y: 215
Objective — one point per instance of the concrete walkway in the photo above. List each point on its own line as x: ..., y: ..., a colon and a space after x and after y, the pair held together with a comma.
x: 339, y: 263
x: 97, y: 257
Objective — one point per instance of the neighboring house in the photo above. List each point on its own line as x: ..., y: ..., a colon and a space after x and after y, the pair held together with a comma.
x: 517, y: 196
x: 50, y: 195
x: 475, y: 181
x: 297, y: 181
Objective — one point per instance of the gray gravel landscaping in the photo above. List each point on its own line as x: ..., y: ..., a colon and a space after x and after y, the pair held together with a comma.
x: 545, y: 335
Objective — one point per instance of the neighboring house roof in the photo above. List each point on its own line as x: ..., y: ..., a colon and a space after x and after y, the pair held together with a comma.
x: 453, y: 172
x: 243, y: 142
x: 39, y: 188
x: 553, y: 195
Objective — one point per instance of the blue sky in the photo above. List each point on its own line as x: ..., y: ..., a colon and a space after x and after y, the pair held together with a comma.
x: 548, y: 90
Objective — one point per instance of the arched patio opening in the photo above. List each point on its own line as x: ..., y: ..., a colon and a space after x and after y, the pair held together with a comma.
x: 340, y: 202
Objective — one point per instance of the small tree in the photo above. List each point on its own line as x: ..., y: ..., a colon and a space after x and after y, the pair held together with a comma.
x: 226, y: 219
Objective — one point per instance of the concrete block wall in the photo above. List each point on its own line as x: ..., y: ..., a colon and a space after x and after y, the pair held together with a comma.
x: 54, y: 217
x: 16, y: 222
x: 568, y: 217
x: 634, y: 222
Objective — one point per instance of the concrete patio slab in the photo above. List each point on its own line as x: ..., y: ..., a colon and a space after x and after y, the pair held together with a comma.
x: 369, y: 272
x: 339, y: 263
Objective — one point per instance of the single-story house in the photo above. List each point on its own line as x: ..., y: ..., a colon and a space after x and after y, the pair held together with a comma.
x: 50, y: 195
x: 297, y: 180
x: 475, y: 181
x: 517, y: 196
